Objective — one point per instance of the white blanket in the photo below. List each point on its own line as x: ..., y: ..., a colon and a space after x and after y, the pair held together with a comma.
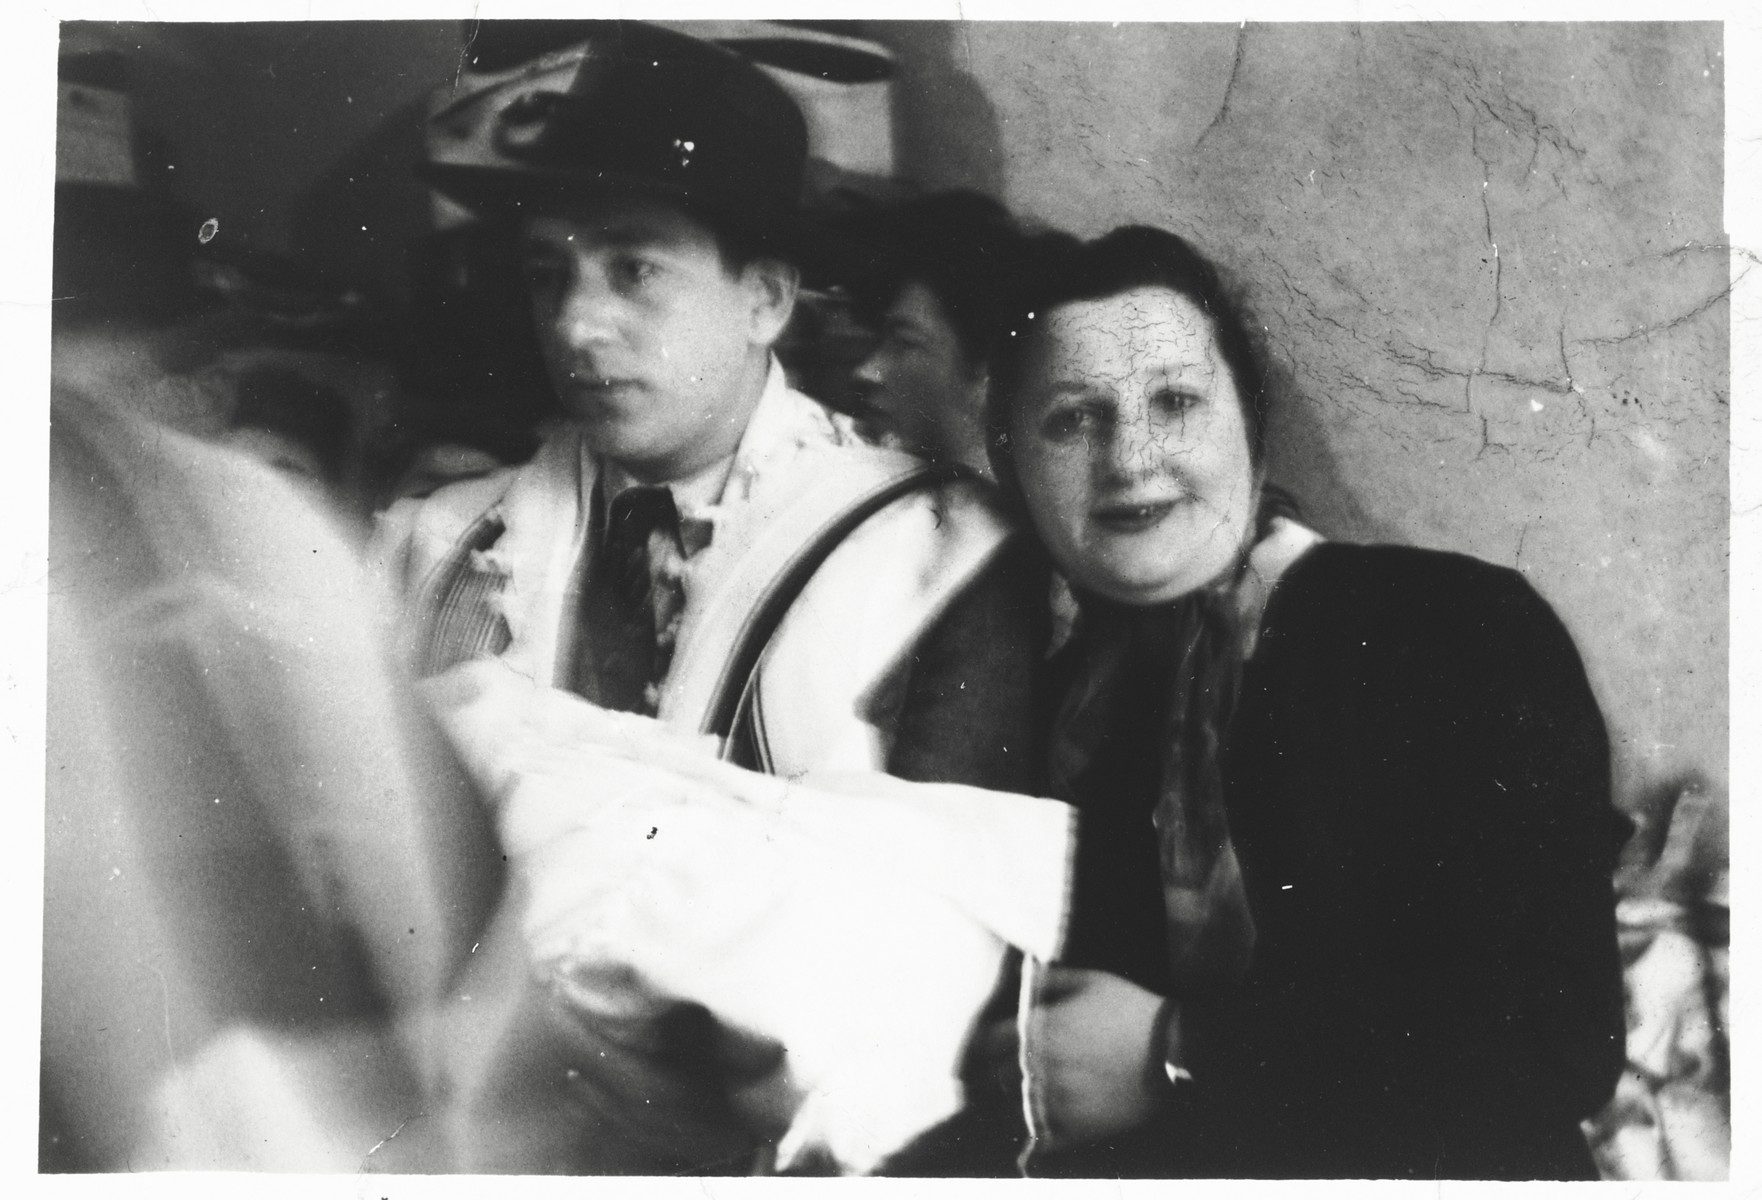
x: 860, y: 921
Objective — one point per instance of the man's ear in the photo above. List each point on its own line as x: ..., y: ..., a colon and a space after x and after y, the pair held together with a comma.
x: 772, y: 284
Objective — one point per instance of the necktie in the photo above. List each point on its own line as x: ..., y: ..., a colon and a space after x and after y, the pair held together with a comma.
x: 627, y: 613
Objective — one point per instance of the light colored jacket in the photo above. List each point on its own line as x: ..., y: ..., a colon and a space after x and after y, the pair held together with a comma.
x: 501, y: 553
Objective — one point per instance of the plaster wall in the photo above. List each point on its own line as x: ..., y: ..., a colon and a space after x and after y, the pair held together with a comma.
x: 1490, y: 264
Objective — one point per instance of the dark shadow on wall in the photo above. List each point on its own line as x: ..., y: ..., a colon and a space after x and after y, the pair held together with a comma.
x: 944, y: 126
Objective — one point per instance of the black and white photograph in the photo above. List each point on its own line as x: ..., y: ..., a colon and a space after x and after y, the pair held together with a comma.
x: 932, y: 593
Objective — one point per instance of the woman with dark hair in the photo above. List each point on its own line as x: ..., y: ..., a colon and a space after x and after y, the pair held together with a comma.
x: 1342, y: 900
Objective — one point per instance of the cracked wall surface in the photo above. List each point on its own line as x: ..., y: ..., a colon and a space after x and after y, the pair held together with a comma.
x: 1490, y: 265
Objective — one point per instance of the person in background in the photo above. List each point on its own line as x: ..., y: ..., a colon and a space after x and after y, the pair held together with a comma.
x: 262, y: 865
x: 160, y: 312
x: 1343, y: 898
x: 942, y: 269
x: 261, y: 860
x: 130, y: 323
x: 469, y: 367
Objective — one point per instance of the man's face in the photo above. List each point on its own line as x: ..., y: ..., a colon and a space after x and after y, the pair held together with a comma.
x: 650, y: 340
x: 918, y: 388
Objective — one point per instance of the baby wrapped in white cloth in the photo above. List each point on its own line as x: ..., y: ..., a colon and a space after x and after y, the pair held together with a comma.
x: 859, y: 921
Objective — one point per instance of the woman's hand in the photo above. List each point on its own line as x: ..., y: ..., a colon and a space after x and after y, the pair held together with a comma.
x: 1091, y: 1051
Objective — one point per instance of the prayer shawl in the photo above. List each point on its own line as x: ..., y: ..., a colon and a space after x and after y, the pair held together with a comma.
x: 487, y: 567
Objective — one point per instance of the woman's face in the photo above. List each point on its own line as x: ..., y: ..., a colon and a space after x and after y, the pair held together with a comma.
x: 1131, y: 447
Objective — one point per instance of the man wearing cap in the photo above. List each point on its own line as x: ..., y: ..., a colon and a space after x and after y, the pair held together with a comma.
x: 693, y: 498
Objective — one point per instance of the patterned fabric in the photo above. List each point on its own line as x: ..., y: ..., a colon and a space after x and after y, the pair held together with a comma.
x: 1183, y: 660
x: 1179, y: 659
x: 467, y: 622
x: 631, y: 603
x: 1210, y: 931
x: 1671, y: 1115
x: 640, y: 598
